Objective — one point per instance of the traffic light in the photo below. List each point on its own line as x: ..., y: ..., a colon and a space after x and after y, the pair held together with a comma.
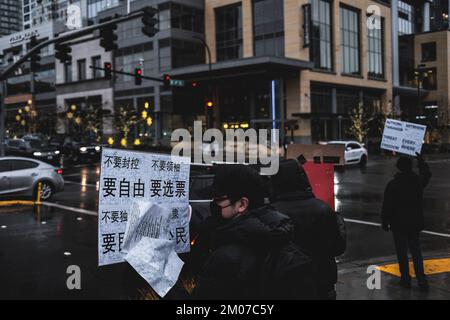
x: 63, y: 52
x: 166, y: 81
x: 35, y: 59
x: 209, y: 103
x: 194, y: 84
x: 108, y: 70
x: 150, y: 20
x: 108, y: 37
x: 138, y: 76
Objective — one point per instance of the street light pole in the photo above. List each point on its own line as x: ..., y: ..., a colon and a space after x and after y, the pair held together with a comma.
x: 2, y: 117
x: 210, y: 77
x: 419, y: 74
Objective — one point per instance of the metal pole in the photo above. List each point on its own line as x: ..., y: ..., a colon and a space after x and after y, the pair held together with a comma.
x: 67, y: 37
x: 33, y: 104
x: 208, y: 124
x: 2, y: 116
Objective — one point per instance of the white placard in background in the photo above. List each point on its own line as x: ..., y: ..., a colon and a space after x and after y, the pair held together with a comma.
x: 403, y: 137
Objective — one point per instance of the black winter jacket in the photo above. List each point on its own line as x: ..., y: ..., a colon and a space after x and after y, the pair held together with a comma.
x: 316, y: 231
x: 403, y: 200
x: 238, y: 249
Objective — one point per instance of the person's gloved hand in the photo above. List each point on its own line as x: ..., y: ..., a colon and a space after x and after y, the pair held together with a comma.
x: 420, y: 159
x: 385, y: 227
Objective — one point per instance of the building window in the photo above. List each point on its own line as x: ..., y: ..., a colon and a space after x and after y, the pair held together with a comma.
x: 96, y: 62
x: 229, y: 32
x: 186, y: 53
x: 81, y: 69
x: 405, y: 18
x: 68, y: 72
x: 350, y: 41
x: 375, y: 48
x: 321, y: 34
x: 186, y: 18
x: 268, y: 27
x: 165, y: 55
x: 321, y: 99
x: 429, y: 51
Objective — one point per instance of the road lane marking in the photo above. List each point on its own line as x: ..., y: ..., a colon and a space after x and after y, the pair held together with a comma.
x: 78, y: 210
x: 437, y: 234
x: 379, y: 225
x: 431, y: 266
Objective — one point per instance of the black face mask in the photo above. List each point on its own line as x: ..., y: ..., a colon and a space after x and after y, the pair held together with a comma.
x: 216, y: 212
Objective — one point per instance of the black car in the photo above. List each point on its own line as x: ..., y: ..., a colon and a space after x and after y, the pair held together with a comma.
x: 33, y: 148
x: 78, y: 151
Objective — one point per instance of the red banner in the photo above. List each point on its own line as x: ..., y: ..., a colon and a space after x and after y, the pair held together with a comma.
x: 321, y: 177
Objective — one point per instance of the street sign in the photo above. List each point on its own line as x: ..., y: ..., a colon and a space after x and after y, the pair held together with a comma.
x: 129, y: 177
x: 177, y: 83
x: 403, y: 137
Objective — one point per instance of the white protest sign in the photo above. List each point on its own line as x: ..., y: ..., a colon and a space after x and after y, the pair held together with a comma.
x: 156, y: 261
x: 403, y: 137
x: 128, y: 177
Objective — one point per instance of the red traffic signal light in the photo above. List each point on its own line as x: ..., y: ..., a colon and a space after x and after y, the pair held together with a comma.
x: 194, y: 84
x: 138, y: 76
x: 166, y: 81
x: 108, y: 68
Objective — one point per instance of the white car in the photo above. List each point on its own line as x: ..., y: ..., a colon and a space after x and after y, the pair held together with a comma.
x: 21, y: 176
x: 355, y: 152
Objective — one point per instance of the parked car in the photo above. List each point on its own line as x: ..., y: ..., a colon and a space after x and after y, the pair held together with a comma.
x: 33, y: 148
x: 355, y: 152
x: 21, y: 176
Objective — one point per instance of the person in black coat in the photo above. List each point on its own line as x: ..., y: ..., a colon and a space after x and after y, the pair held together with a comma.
x: 402, y: 213
x: 315, y: 224
x: 243, y: 229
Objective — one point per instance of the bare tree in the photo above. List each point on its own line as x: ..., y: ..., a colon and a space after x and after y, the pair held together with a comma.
x: 360, y: 122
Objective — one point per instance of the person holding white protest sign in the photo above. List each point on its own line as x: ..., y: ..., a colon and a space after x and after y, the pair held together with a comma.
x: 402, y: 213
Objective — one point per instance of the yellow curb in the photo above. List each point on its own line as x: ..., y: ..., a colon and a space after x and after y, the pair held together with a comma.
x: 431, y: 266
x: 17, y: 202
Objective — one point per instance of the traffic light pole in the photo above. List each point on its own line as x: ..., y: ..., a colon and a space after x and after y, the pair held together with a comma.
x: 127, y: 74
x: 209, y: 118
x: 2, y: 116
x: 60, y: 39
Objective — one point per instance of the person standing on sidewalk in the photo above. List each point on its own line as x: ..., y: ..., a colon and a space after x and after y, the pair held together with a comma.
x: 402, y: 213
x: 316, y: 228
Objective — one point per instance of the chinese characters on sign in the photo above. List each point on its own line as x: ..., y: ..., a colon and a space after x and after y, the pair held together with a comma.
x: 403, y: 137
x: 128, y: 177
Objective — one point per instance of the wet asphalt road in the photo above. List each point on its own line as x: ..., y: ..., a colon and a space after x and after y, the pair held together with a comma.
x: 35, y: 245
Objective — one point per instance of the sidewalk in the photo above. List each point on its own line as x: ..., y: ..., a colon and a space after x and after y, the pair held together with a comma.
x: 353, y: 276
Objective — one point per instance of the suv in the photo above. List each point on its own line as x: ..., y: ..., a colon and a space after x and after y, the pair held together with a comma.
x: 33, y: 148
x: 355, y: 152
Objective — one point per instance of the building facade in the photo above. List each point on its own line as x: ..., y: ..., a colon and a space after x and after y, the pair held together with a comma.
x: 300, y: 65
x: 420, y: 60
x: 84, y: 98
x: 31, y: 98
x: 10, y: 17
x: 173, y: 46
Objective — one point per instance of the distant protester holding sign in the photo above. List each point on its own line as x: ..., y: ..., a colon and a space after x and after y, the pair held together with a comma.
x: 402, y: 213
